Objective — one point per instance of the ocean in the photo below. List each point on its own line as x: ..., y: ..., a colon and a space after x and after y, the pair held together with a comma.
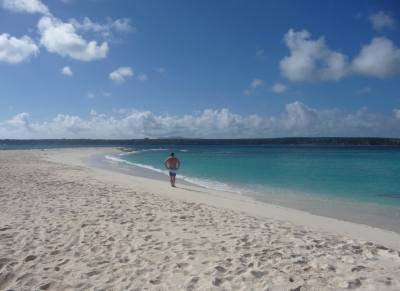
x: 359, y: 184
x: 355, y: 183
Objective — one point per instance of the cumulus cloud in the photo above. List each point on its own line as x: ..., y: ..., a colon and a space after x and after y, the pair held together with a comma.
x: 297, y: 120
x: 256, y: 83
x: 121, y: 25
x: 15, y: 50
x: 118, y: 76
x: 67, y: 71
x: 30, y: 6
x: 21, y: 121
x: 311, y: 59
x: 382, y: 20
x: 61, y: 38
x: 381, y: 58
x: 279, y: 88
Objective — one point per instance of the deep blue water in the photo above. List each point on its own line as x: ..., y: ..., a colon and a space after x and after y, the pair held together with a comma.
x: 358, y: 173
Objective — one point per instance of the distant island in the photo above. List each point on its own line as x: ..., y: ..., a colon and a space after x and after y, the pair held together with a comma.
x: 288, y: 141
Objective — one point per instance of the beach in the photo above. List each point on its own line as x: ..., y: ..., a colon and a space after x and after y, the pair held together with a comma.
x: 67, y: 226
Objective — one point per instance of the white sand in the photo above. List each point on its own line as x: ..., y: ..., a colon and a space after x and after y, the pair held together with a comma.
x: 65, y: 226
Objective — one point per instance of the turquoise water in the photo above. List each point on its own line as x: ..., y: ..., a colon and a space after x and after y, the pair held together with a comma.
x: 358, y: 174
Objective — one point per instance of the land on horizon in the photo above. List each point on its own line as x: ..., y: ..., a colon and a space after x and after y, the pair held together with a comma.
x: 334, y: 141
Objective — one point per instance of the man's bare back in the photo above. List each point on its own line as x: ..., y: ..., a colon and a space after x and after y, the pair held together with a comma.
x: 172, y: 163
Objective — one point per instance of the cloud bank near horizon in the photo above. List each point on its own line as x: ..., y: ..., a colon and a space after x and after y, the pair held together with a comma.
x: 297, y: 120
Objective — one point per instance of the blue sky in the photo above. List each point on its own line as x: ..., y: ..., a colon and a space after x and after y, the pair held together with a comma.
x: 199, y: 69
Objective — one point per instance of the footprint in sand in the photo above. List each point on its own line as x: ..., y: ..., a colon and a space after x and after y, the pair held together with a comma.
x: 30, y: 258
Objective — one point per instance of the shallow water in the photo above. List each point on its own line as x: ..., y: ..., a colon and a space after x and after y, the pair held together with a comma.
x: 358, y: 184
x: 367, y: 174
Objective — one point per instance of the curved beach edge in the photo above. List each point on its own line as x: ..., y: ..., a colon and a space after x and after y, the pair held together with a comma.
x: 231, y: 201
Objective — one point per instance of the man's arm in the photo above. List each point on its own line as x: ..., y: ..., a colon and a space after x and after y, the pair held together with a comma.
x: 165, y: 163
x: 179, y: 164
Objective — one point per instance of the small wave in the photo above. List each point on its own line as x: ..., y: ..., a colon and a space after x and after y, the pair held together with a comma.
x: 154, y: 150
x: 209, y: 184
x: 151, y: 168
x: 116, y: 159
x: 185, y: 151
x: 143, y: 150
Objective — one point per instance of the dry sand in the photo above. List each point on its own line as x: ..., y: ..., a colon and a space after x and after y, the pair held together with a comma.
x: 65, y: 226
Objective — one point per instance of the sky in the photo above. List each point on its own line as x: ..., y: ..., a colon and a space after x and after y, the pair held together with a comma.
x: 129, y: 69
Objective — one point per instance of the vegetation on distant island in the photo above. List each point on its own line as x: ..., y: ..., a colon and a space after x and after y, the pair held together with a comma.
x: 290, y: 141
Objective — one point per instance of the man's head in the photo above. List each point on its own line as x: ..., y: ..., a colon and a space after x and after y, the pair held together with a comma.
x: 172, y: 154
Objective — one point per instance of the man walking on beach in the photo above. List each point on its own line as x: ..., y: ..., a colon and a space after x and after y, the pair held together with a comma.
x: 172, y: 164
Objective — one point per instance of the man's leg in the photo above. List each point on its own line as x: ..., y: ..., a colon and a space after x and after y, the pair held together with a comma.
x: 173, y: 181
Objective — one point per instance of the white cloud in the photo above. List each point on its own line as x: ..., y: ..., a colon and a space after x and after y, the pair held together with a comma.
x: 381, y: 58
x: 67, y: 71
x: 21, y: 121
x: 142, y: 77
x: 297, y: 120
x: 118, y: 76
x: 87, y: 25
x: 30, y: 6
x: 121, y: 25
x: 256, y: 83
x: 311, y: 59
x: 397, y: 113
x: 381, y: 20
x: 279, y: 88
x: 14, y: 50
x: 59, y: 37
x: 91, y: 95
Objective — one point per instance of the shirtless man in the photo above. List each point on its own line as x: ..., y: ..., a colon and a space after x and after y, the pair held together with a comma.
x: 172, y: 164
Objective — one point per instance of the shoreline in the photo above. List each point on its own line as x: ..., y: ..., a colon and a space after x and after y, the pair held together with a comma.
x: 236, y: 202
x: 67, y: 226
x: 383, y: 217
